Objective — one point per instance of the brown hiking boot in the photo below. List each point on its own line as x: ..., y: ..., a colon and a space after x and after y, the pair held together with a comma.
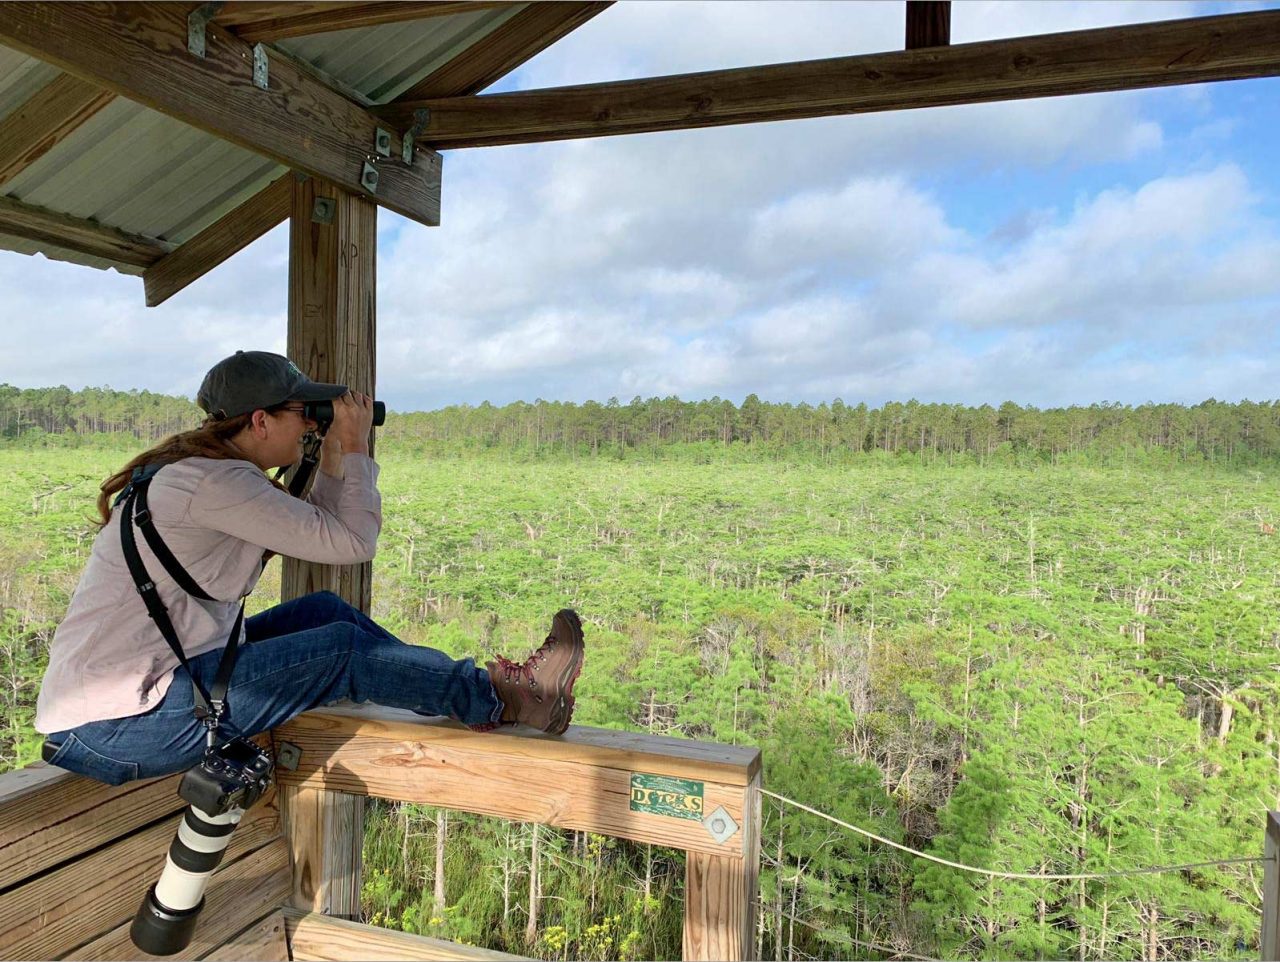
x: 539, y: 691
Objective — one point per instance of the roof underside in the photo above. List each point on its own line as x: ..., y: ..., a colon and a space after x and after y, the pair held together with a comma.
x: 142, y: 172
x: 99, y: 179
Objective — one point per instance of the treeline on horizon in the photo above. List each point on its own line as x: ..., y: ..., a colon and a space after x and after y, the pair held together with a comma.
x: 1213, y: 431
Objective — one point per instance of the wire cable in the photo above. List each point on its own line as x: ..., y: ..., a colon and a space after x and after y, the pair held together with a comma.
x: 1028, y: 876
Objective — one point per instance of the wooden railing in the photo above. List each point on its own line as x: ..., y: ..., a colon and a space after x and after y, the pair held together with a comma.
x: 699, y: 797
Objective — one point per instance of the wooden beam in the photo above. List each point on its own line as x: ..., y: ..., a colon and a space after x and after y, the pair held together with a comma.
x: 721, y: 895
x: 584, y: 780
x: 213, y: 245
x: 928, y: 23
x: 46, y: 120
x: 254, y: 22
x: 139, y: 50
x: 314, y: 937
x: 332, y: 323
x: 82, y: 236
x: 325, y: 833
x: 1228, y: 47
x: 527, y: 33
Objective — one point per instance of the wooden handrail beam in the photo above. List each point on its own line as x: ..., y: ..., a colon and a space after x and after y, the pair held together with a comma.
x: 313, y: 936
x: 583, y: 780
x: 1226, y: 47
x: 139, y: 50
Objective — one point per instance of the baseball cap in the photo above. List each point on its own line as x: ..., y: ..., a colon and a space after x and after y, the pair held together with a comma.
x: 249, y: 380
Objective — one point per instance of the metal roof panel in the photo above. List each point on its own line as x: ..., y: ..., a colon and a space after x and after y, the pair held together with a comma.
x: 145, y: 173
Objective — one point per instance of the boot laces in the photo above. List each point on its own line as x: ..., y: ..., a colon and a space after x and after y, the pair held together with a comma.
x: 517, y: 670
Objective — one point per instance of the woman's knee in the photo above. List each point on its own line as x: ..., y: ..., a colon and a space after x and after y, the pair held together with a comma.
x: 334, y: 606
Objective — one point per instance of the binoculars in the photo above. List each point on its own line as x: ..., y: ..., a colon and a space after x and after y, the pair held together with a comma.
x: 322, y: 413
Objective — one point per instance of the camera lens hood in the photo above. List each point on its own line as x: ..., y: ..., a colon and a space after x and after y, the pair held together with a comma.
x: 159, y: 930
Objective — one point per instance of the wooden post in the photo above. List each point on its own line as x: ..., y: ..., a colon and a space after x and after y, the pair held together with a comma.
x: 325, y: 832
x: 721, y: 893
x: 1271, y: 891
x: 928, y: 23
x: 332, y: 254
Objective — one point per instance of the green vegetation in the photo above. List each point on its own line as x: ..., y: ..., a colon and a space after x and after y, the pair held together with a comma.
x: 1213, y: 431
x: 1029, y: 660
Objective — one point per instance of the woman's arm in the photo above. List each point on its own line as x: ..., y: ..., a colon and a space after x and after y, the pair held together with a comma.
x: 237, y: 499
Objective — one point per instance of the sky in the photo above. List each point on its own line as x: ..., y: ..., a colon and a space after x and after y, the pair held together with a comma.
x: 1116, y: 247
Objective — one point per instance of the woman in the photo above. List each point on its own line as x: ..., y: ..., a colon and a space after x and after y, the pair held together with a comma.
x: 116, y: 702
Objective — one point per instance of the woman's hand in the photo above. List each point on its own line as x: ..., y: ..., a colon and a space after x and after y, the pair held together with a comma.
x: 349, y: 433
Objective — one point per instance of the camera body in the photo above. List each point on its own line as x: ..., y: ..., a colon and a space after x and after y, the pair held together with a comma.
x: 231, y: 775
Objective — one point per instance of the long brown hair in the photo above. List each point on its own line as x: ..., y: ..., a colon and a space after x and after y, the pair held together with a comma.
x: 212, y: 439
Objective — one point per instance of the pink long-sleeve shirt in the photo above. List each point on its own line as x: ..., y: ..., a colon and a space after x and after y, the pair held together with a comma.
x: 108, y: 658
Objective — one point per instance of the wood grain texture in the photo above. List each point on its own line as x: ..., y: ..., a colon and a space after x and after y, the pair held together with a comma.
x: 313, y: 937
x: 83, y: 236
x: 751, y: 825
x: 68, y: 906
x: 47, y: 119
x: 527, y: 779
x: 325, y: 833
x: 332, y: 310
x: 139, y: 50
x: 715, y: 900
x: 603, y: 747
x: 238, y: 894
x: 1271, y: 890
x: 264, y: 941
x: 279, y: 21
x: 48, y: 816
x: 332, y: 329
x: 928, y: 23
x: 216, y: 243
x: 525, y: 35
x: 1226, y: 47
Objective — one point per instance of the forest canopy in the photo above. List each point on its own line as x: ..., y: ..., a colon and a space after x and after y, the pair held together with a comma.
x: 1216, y: 431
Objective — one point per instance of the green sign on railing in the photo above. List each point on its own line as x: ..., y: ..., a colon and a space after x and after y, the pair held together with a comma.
x: 662, y: 795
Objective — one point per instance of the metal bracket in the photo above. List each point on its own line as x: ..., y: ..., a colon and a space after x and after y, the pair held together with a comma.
x: 369, y: 177
x: 322, y: 210
x: 720, y: 825
x: 382, y: 142
x: 261, y: 70
x: 421, y: 117
x: 288, y: 755
x: 197, y: 20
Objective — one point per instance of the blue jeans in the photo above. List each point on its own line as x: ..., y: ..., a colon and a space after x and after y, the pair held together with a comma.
x: 299, y: 655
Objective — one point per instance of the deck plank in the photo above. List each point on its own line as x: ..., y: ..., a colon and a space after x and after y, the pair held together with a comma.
x: 54, y: 914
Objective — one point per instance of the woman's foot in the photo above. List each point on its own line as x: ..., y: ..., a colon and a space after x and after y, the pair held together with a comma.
x: 539, y: 691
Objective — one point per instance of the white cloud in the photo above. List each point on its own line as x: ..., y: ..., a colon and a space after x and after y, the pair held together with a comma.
x: 799, y: 261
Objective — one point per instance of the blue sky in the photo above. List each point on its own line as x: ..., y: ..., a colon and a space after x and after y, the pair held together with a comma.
x: 1112, y: 247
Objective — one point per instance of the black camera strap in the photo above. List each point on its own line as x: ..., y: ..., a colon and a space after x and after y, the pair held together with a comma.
x: 305, y: 467
x: 211, y: 704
